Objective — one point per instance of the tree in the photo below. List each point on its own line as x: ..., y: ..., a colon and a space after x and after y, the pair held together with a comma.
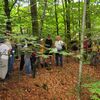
x: 64, y: 18
x: 56, y: 17
x: 8, y: 9
x: 42, y: 18
x: 81, y: 51
x: 67, y: 5
x: 33, y: 5
x: 88, y: 19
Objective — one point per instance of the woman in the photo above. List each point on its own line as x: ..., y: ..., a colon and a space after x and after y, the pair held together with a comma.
x: 59, y: 46
x: 4, y: 50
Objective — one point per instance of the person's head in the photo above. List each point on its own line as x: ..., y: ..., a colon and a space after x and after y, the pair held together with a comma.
x: 48, y: 36
x: 41, y: 40
x: 58, y: 38
x: 85, y: 37
x: 94, y: 42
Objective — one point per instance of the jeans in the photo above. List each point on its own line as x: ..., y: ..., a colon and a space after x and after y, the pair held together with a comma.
x: 10, y: 63
x: 95, y: 58
x: 22, y: 62
x: 59, y: 59
x: 27, y: 66
x: 33, y: 65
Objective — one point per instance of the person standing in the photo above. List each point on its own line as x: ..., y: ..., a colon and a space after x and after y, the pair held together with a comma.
x: 27, y: 60
x: 11, y: 56
x: 94, y: 53
x: 48, y: 45
x: 4, y: 50
x: 85, y: 47
x: 58, y: 56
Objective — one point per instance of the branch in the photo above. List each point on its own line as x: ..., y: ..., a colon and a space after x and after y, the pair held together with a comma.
x: 13, y: 5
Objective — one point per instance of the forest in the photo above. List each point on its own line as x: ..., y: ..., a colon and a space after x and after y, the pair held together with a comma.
x: 49, y: 49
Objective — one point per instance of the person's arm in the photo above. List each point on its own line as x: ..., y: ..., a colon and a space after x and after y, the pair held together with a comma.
x: 51, y: 43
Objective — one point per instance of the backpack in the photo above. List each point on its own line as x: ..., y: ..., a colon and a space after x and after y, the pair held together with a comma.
x: 63, y: 47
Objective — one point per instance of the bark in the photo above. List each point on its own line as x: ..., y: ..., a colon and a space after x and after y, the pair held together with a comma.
x: 56, y: 17
x: 8, y: 10
x: 42, y: 18
x: 19, y: 18
x: 67, y: 5
x: 79, y: 22
x: 34, y: 16
x: 88, y: 19
x: 64, y: 15
x: 81, y: 52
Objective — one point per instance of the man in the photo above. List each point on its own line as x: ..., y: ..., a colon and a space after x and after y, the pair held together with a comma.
x: 48, y: 42
x: 48, y: 45
x: 4, y: 50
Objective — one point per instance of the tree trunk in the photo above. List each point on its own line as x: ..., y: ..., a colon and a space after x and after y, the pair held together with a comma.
x: 67, y: 5
x: 8, y: 9
x: 7, y: 12
x: 56, y: 17
x: 42, y: 18
x: 88, y: 19
x: 19, y: 18
x: 64, y: 18
x: 79, y: 22
x: 33, y: 5
x: 81, y: 52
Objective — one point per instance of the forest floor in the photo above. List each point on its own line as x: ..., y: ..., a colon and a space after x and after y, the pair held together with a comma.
x: 58, y: 83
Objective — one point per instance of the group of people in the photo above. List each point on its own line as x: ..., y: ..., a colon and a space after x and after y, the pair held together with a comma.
x: 92, y: 50
x: 29, y: 61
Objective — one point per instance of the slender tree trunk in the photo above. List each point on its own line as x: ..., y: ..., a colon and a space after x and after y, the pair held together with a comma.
x: 79, y: 22
x: 81, y: 52
x: 88, y: 19
x: 64, y: 18
x: 42, y: 18
x: 34, y: 16
x: 72, y: 15
x: 56, y: 17
x: 67, y: 5
x: 19, y: 18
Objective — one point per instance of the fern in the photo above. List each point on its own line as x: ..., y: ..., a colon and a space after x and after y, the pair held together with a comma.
x: 94, y: 88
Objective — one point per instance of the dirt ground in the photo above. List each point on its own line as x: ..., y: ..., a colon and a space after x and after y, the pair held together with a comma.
x: 57, y: 83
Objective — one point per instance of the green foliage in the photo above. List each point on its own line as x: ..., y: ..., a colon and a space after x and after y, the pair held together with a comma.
x: 21, y: 18
x: 94, y: 88
x: 43, y: 56
x: 65, y: 53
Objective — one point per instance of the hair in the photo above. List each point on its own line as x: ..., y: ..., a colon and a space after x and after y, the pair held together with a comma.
x: 58, y: 37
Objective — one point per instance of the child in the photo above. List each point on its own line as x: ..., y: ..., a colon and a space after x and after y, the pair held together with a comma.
x: 43, y: 61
